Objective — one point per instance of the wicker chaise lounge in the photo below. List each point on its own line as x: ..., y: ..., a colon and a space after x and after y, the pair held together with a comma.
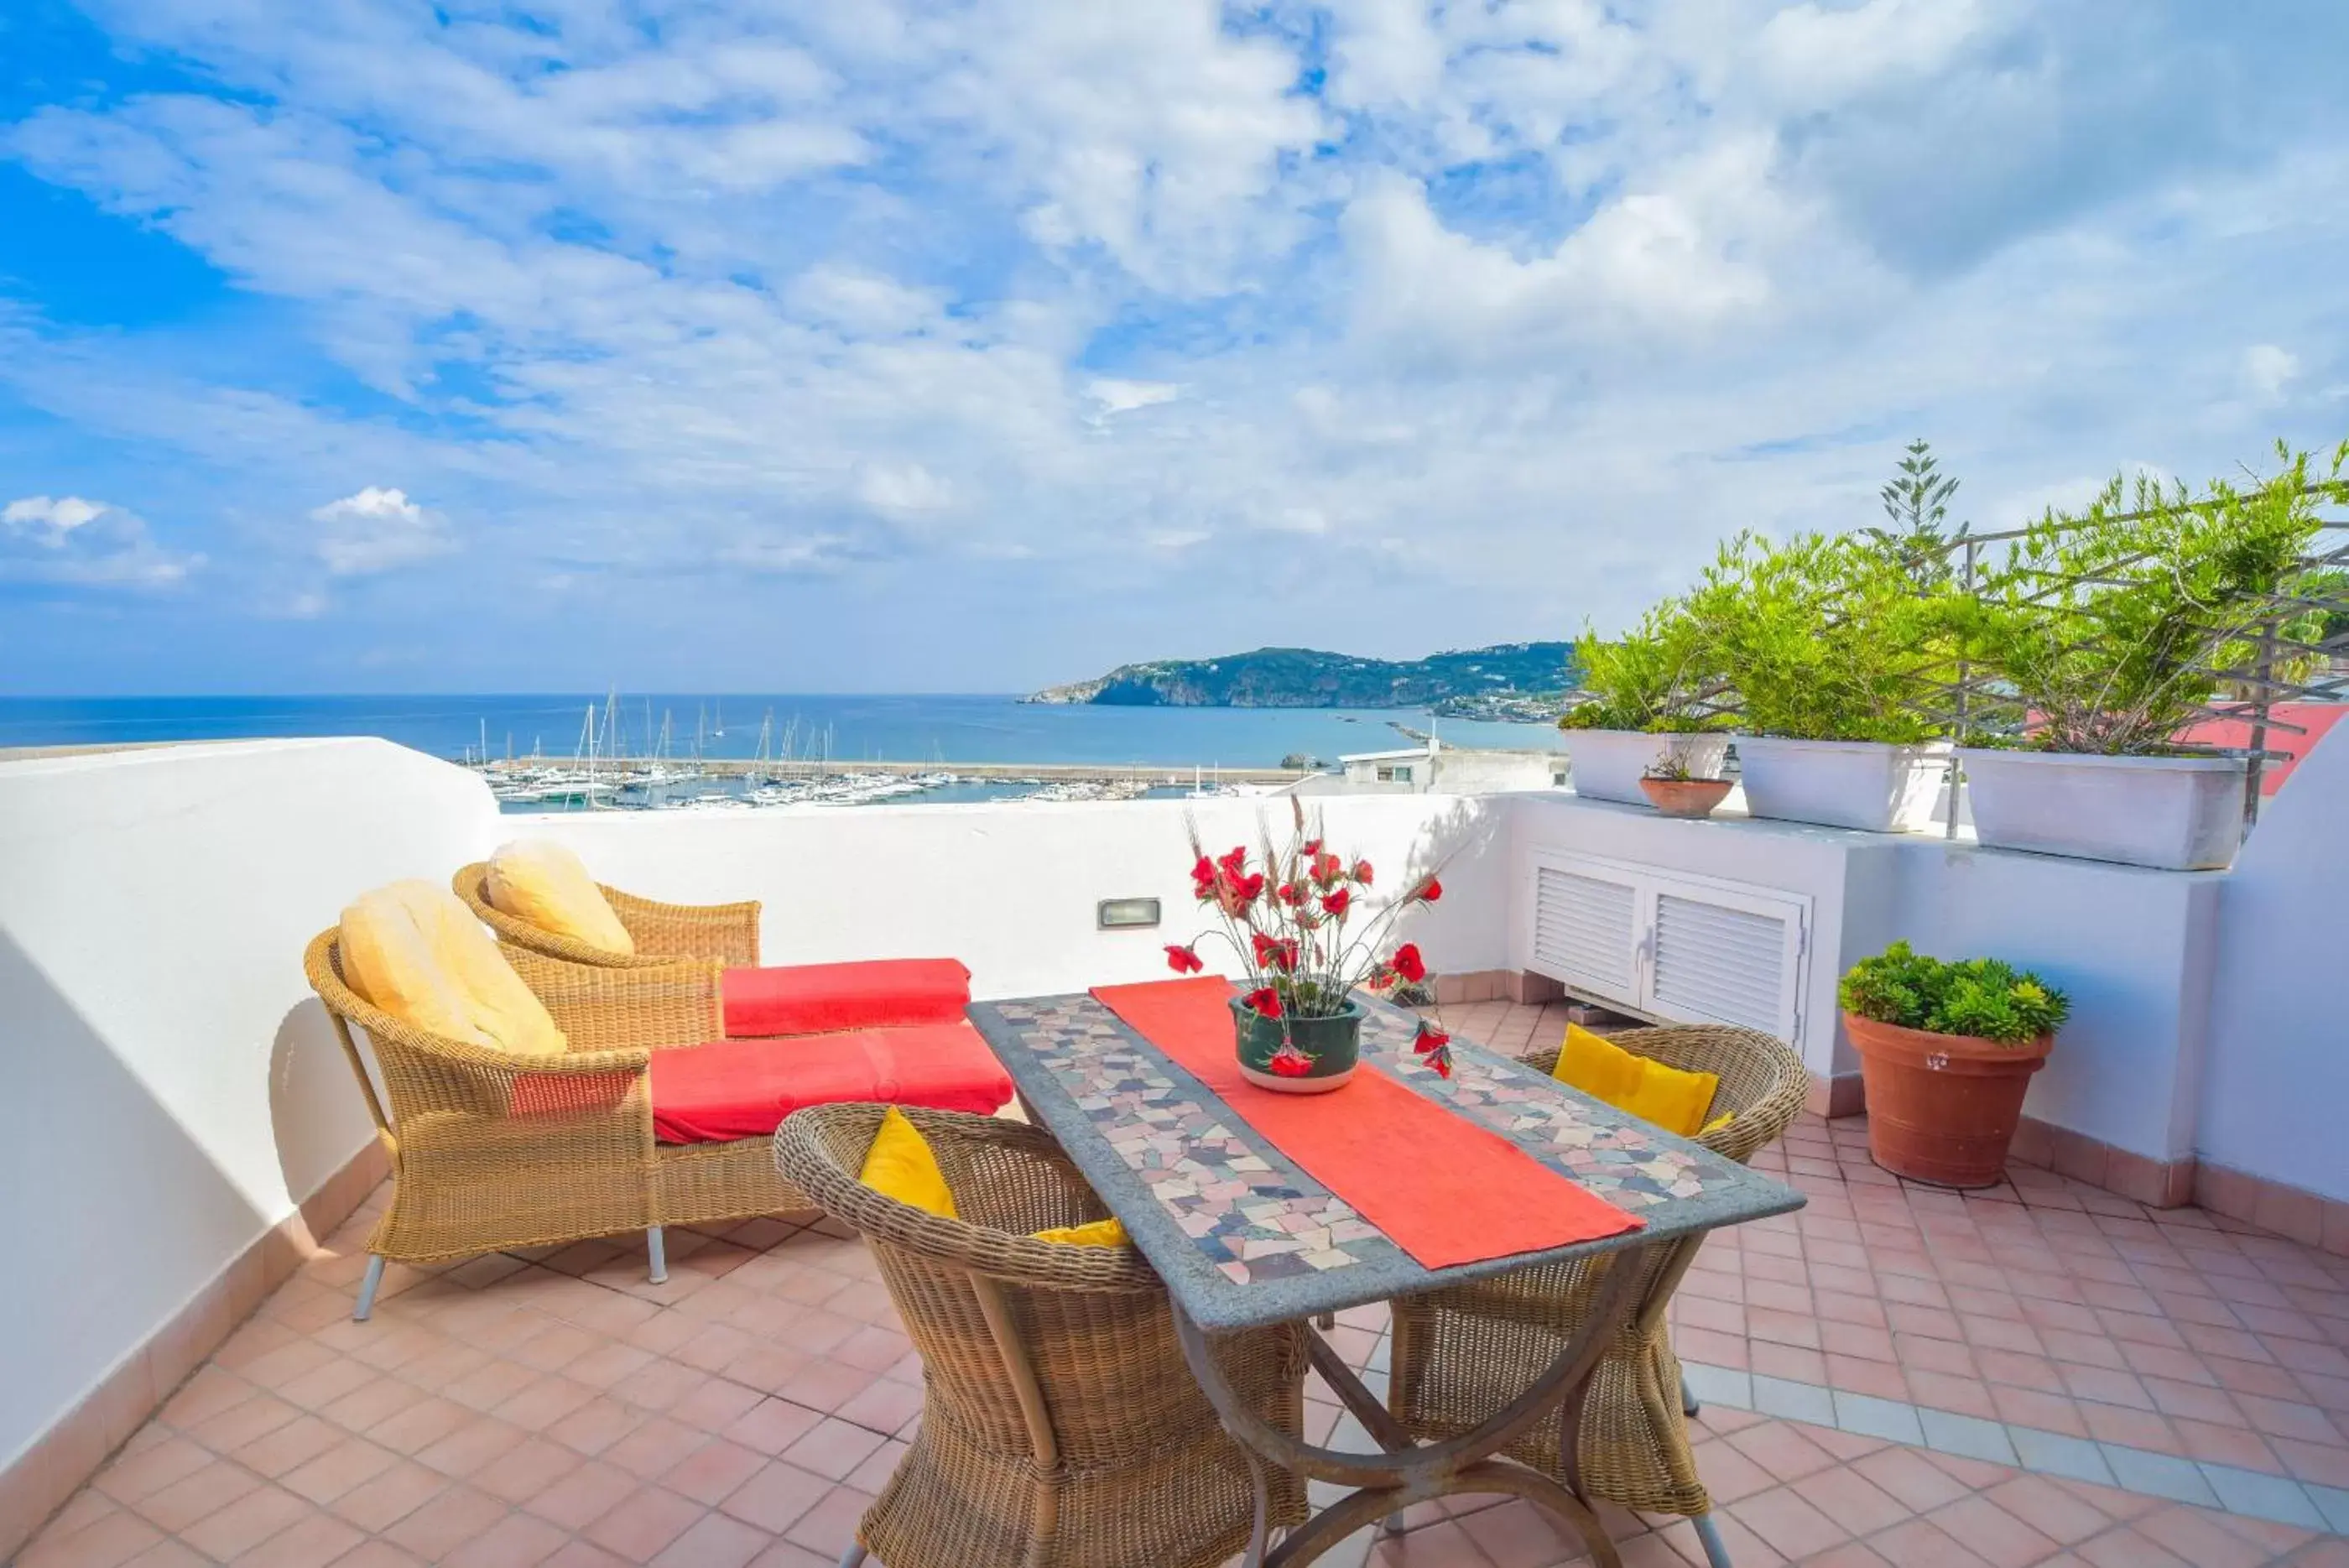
x: 1462, y: 1354
x: 492, y: 1150
x: 1060, y: 1428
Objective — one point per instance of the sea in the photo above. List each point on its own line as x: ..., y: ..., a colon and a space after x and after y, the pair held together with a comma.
x: 939, y: 730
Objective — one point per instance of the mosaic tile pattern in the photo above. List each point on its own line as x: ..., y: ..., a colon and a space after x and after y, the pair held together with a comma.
x: 1250, y: 1212
x: 1615, y: 1158
x: 1255, y: 1215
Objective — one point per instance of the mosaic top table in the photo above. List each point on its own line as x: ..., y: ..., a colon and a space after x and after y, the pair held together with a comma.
x: 1245, y: 1238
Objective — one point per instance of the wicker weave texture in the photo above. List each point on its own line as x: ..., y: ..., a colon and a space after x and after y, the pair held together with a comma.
x: 492, y: 1150
x: 724, y: 934
x: 1463, y: 1354
x: 1061, y: 1426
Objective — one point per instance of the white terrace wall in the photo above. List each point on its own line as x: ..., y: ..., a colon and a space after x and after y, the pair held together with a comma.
x: 172, y: 1091
x: 2277, y: 1074
x: 1011, y: 890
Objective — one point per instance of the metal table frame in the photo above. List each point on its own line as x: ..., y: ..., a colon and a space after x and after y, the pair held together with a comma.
x: 1405, y: 1470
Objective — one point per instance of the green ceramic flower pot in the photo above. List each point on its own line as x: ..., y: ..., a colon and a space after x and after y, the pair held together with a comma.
x: 1331, y: 1046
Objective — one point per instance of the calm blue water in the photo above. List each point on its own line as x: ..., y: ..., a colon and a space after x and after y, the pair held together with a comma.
x: 899, y: 728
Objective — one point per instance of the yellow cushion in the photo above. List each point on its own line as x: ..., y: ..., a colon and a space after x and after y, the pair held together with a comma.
x: 1719, y: 1121
x: 1099, y: 1233
x: 1674, y: 1100
x: 500, y: 1004
x: 900, y: 1165
x: 388, y: 961
x: 540, y: 881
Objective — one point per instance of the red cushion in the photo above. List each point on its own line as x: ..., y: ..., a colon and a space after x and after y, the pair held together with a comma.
x: 820, y: 998
x: 744, y: 1088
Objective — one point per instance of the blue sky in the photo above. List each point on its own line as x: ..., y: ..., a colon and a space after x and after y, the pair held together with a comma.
x: 970, y: 347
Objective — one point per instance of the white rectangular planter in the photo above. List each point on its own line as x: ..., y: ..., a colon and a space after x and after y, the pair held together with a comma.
x: 1608, y: 762
x: 1865, y: 784
x: 2177, y: 814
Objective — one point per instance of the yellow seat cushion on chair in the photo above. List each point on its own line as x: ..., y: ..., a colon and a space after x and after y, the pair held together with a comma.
x: 1097, y: 1234
x: 540, y: 882
x: 900, y: 1165
x: 501, y: 1004
x: 1652, y: 1091
x: 386, y: 959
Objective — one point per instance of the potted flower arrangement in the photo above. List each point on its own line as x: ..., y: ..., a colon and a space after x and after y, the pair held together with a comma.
x: 1947, y: 1051
x: 1301, y: 921
x: 1828, y: 642
x: 2106, y: 632
x: 1642, y: 709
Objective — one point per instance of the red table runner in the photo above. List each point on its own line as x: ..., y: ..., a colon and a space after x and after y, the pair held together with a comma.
x: 1443, y: 1188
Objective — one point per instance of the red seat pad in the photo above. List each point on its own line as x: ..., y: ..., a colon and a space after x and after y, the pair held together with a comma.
x: 822, y: 998
x: 744, y: 1088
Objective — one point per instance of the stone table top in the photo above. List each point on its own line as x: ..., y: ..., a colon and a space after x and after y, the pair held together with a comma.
x: 1244, y: 1237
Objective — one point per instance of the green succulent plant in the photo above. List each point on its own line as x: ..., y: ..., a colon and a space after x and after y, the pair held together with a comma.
x: 1982, y: 998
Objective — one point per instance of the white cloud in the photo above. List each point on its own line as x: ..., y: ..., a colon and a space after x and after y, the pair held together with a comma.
x: 2268, y: 369
x: 376, y: 530
x: 1122, y: 397
x: 67, y: 540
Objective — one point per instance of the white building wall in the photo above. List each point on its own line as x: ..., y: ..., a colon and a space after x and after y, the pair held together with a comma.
x: 1011, y: 889
x: 2277, y: 1070
x: 172, y: 1088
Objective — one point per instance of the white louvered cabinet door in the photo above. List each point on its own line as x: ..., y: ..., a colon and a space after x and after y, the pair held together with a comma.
x: 1586, y: 930
x: 1725, y: 957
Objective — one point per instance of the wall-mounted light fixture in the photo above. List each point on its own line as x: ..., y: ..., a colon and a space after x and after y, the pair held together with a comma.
x: 1126, y: 913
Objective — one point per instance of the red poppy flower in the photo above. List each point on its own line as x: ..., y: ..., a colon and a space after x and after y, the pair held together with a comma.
x: 1361, y: 872
x: 1288, y: 1062
x: 1274, y: 953
x: 1265, y: 1003
x: 1382, y: 977
x: 1328, y: 868
x: 1435, y: 1045
x: 1310, y: 847
x: 1202, y: 879
x: 1430, y: 891
x: 1335, y: 903
x: 1182, y: 960
x: 1291, y: 894
x: 1408, y: 964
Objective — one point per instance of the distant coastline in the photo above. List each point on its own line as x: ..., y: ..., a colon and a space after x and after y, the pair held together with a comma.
x: 1520, y: 682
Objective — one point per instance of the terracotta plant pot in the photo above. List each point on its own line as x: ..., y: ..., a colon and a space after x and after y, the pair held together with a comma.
x: 1943, y: 1108
x: 1685, y: 797
x: 1334, y: 1043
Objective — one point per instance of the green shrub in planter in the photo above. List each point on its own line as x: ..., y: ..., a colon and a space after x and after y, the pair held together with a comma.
x: 2106, y: 629
x: 1649, y: 679
x: 1825, y: 638
x: 1981, y: 998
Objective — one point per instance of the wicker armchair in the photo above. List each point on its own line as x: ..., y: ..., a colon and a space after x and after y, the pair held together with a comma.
x: 1060, y: 1428
x: 722, y: 933
x: 492, y: 1150
x: 1462, y: 1354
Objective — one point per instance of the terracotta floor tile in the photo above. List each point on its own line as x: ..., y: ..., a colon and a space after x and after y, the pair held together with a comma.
x: 378, y: 1504
x: 314, y: 1543
x: 246, y: 1522
x: 775, y: 1497
x: 516, y: 1540
x: 445, y: 1522
x: 830, y: 1524
x: 1988, y: 1531
x: 106, y: 1542
x: 642, y: 1523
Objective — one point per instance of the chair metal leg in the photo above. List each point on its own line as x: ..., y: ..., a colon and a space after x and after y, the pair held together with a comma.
x: 1708, y: 1534
x: 659, y: 1252
x: 366, y: 1308
x: 854, y: 1555
x: 1688, y: 1400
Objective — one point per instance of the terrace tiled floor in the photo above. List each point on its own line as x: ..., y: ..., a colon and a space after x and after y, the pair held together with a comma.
x: 1924, y: 1379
